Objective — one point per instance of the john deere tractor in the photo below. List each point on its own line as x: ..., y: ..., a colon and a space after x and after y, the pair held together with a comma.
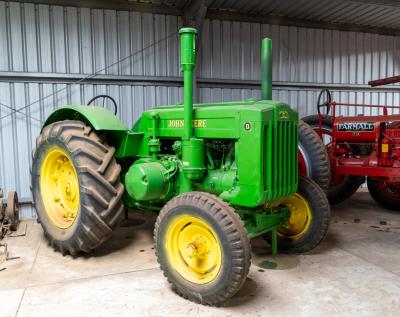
x: 217, y: 174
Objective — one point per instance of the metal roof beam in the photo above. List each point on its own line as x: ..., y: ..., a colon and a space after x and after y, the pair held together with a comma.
x: 173, y: 81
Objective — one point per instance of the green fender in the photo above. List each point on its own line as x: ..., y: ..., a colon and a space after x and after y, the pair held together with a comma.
x: 98, y: 117
x: 127, y: 143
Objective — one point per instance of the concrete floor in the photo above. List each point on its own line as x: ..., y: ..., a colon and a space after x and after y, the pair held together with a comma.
x: 354, y: 272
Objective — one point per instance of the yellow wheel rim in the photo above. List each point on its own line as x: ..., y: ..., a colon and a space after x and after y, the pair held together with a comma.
x: 59, y: 188
x: 300, y: 217
x: 193, y: 249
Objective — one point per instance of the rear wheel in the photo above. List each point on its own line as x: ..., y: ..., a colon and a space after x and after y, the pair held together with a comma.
x: 75, y: 186
x: 342, y: 186
x: 309, y: 218
x: 202, y: 247
x: 313, y: 158
x: 384, y: 193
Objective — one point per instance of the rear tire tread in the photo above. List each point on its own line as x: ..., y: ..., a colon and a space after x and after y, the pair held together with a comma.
x: 101, y: 205
x: 321, y: 169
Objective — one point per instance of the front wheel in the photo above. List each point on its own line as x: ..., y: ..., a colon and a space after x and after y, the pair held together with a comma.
x: 76, y: 187
x: 384, y: 193
x: 202, y: 247
x: 309, y: 218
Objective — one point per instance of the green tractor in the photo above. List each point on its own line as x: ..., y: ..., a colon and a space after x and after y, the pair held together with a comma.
x: 217, y: 174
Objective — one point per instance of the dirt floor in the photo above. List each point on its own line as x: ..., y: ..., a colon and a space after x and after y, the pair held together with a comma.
x: 354, y: 272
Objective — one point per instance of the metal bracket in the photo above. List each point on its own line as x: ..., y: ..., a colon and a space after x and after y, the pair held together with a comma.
x: 261, y: 222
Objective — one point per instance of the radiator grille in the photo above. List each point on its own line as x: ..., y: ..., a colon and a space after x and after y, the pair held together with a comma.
x: 280, y: 159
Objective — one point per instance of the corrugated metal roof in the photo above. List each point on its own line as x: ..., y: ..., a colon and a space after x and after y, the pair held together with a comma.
x: 369, y: 13
x: 372, y: 13
x: 362, y: 13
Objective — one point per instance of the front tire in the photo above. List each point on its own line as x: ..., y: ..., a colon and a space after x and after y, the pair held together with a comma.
x: 202, y: 247
x: 76, y: 187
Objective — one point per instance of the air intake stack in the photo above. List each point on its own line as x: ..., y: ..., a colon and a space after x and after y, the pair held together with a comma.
x: 188, y: 64
x: 193, y: 149
x: 266, y: 69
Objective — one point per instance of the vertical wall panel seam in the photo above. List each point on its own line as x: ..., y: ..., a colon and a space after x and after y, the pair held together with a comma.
x: 23, y: 38
x: 2, y: 150
x: 117, y: 26
x: 130, y: 40
x: 66, y: 40
x: 143, y: 72
x: 15, y: 139
x: 9, y: 40
x: 92, y: 38
x: 53, y: 58
x: 38, y: 38
x: 80, y: 46
x: 103, y: 17
x: 28, y: 123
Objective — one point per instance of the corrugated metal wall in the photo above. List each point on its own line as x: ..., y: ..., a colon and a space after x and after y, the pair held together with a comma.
x: 66, y: 40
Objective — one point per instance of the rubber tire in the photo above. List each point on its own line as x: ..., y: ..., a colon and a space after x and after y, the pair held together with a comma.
x: 321, y: 214
x: 350, y: 183
x: 100, y: 190
x: 235, y: 245
x: 380, y: 196
x: 311, y: 145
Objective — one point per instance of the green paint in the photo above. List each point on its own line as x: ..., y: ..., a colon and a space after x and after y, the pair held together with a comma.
x: 146, y: 181
x: 245, y: 152
x: 266, y: 69
x: 259, y: 222
x: 188, y: 64
x: 193, y: 158
x: 268, y: 265
x: 99, y: 118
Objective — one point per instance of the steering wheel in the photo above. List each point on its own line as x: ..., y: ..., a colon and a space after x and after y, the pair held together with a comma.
x: 324, y: 100
x: 104, y: 99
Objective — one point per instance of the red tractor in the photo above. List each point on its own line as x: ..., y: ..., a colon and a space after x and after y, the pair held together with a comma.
x: 361, y: 147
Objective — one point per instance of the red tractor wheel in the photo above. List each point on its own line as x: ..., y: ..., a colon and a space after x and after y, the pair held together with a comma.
x: 386, y: 194
x: 342, y: 187
x: 313, y: 158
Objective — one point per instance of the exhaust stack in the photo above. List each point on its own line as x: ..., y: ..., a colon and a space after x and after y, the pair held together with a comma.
x: 266, y: 69
x: 188, y: 64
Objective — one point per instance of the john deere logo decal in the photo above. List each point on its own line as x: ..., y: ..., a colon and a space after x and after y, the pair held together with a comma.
x: 283, y: 114
x: 180, y: 123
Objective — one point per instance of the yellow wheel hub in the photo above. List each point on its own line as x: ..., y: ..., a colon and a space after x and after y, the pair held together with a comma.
x: 300, y: 217
x: 193, y: 249
x: 59, y: 188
